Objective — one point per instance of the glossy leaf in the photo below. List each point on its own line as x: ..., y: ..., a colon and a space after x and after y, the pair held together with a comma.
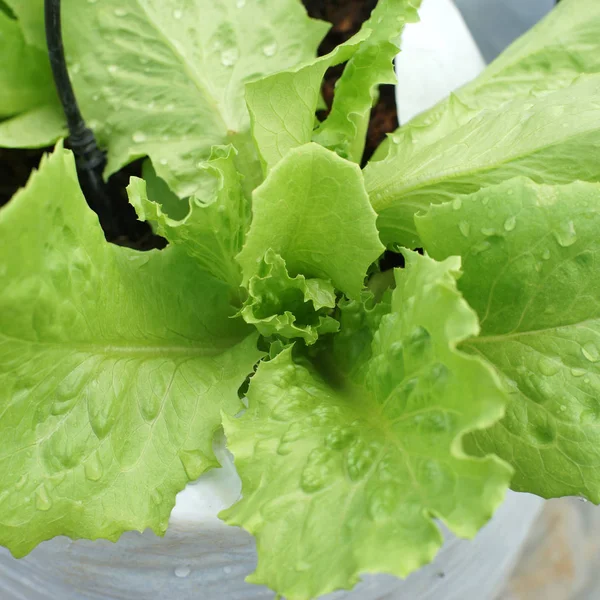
x: 344, y: 472
x: 314, y: 212
x: 218, y: 216
x: 551, y: 139
x: 115, y: 367
x: 531, y: 271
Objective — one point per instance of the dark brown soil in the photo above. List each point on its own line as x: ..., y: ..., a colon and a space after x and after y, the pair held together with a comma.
x: 15, y: 168
x: 346, y: 15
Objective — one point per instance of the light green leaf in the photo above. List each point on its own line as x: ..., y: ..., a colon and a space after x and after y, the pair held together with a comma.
x: 283, y: 105
x: 344, y: 474
x: 30, y: 14
x: 552, y: 139
x: 218, y: 216
x: 286, y: 307
x: 25, y: 77
x: 115, y: 367
x: 314, y: 212
x: 36, y: 128
x: 167, y: 81
x: 548, y: 57
x: 531, y: 256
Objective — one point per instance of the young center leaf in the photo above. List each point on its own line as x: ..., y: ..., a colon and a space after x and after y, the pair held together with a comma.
x: 344, y: 471
x: 115, y: 368
x: 289, y: 307
x: 314, y: 212
x: 213, y: 229
x: 283, y: 105
x: 532, y: 272
x: 552, y: 139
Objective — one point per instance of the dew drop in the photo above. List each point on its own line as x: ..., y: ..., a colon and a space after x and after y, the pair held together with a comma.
x: 182, y: 572
x: 546, y: 254
x: 566, y: 235
x: 270, y: 49
x: 156, y: 497
x: 578, y: 372
x: 163, y: 161
x: 93, y: 468
x: 488, y: 231
x: 229, y: 57
x: 227, y: 570
x: 456, y: 203
x: 582, y: 499
x: 481, y: 247
x: 240, y: 3
x: 139, y: 137
x: 548, y: 367
x: 112, y: 69
x: 22, y: 482
x: 590, y: 351
x: 42, y: 500
x: 464, y: 228
x: 177, y: 14
x: 510, y: 223
x: 562, y: 408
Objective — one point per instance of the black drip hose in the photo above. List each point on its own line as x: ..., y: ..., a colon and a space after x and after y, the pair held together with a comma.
x: 90, y: 160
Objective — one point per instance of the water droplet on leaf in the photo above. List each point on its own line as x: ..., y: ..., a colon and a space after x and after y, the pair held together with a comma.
x: 270, y: 49
x: 510, y: 223
x: 93, y: 468
x: 590, y: 351
x: 42, y: 500
x: 566, y: 235
x: 548, y: 367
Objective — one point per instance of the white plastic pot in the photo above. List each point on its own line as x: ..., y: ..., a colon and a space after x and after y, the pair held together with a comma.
x: 203, y: 559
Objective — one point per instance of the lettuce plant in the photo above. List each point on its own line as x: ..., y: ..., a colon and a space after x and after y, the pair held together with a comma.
x: 361, y: 405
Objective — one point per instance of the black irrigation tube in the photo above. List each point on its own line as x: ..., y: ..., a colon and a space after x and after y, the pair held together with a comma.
x: 90, y: 160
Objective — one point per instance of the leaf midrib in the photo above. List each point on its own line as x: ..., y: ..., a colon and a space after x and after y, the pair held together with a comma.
x: 127, y: 348
x: 450, y: 175
x: 188, y: 69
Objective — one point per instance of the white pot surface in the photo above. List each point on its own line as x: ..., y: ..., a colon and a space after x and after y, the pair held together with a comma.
x: 201, y: 558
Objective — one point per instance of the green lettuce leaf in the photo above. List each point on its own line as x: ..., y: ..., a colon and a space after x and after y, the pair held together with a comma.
x: 282, y: 106
x: 314, y: 212
x: 115, y: 367
x: 36, y: 128
x: 531, y: 260
x: 343, y: 473
x: 25, y: 77
x: 218, y: 216
x: 167, y: 81
x: 548, y: 57
x: 282, y: 306
x: 552, y: 139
